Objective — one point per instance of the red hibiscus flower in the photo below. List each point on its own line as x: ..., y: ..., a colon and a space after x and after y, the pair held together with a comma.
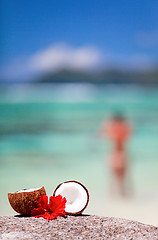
x: 49, y: 211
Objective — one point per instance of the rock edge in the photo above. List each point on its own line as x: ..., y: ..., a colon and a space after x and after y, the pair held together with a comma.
x: 75, y: 227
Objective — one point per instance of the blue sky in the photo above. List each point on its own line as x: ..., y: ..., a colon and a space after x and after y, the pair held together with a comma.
x: 118, y: 31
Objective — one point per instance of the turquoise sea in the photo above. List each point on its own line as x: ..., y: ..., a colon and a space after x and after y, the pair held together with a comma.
x: 48, y: 136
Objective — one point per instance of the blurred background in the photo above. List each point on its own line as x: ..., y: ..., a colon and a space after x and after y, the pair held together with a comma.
x: 67, y: 66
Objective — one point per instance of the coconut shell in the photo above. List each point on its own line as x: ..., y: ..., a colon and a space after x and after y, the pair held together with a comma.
x: 24, y: 202
x: 79, y: 212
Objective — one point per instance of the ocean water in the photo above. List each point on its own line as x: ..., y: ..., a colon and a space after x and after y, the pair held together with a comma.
x: 48, y: 135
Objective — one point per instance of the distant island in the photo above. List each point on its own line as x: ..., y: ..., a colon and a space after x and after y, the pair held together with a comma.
x: 113, y: 76
x: 108, y: 76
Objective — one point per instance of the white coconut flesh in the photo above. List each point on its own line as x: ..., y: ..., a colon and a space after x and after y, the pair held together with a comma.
x: 75, y: 194
x: 29, y: 190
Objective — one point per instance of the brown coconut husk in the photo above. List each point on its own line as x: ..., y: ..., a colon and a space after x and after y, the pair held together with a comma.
x: 24, y: 202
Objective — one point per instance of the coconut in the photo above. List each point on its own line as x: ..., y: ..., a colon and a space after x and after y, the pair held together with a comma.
x: 25, y: 200
x: 76, y: 194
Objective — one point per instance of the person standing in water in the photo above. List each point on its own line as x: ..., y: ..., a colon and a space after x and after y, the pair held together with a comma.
x: 118, y: 130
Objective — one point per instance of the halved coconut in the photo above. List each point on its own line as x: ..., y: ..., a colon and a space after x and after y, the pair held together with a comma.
x: 25, y: 200
x: 76, y: 194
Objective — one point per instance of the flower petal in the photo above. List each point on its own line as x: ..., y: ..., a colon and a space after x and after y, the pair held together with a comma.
x: 43, y: 202
x: 47, y: 216
x: 56, y: 207
x: 57, y: 204
x: 37, y: 216
x: 53, y: 216
x: 37, y: 211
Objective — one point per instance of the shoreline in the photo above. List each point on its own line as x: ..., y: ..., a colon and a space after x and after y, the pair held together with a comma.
x: 74, y: 227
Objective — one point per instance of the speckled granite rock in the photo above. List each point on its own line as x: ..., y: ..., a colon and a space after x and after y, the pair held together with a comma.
x: 74, y: 227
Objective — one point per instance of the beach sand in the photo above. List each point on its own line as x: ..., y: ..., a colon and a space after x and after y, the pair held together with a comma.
x: 75, y: 227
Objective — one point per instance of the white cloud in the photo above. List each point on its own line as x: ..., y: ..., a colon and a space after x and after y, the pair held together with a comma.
x: 59, y: 56
x: 62, y: 56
